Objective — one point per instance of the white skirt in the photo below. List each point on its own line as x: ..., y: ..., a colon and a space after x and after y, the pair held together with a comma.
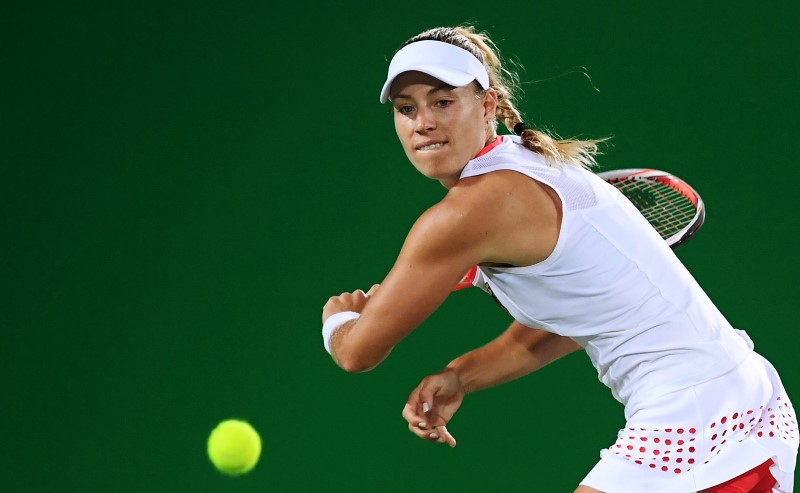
x: 697, y: 438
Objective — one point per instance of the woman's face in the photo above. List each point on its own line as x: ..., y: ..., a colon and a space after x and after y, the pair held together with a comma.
x: 441, y: 127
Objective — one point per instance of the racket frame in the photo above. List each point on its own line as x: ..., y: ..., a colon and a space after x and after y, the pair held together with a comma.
x: 684, y: 234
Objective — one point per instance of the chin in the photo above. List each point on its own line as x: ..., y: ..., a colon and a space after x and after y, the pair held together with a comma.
x: 429, y: 172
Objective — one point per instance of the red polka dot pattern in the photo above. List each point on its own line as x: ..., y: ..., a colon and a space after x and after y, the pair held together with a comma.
x: 677, y: 450
x: 666, y: 450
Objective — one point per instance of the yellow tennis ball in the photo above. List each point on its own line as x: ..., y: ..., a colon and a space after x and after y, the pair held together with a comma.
x: 234, y: 447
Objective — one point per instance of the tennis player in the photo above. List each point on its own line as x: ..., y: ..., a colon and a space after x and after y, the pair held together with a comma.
x: 578, y: 268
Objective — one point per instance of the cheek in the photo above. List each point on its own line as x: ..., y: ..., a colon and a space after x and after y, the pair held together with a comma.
x: 404, y: 132
x: 473, y: 135
x: 400, y: 126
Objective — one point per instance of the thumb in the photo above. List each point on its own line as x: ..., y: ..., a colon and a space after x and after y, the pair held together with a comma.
x: 373, y: 289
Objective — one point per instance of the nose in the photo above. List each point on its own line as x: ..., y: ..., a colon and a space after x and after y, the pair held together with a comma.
x: 426, y: 120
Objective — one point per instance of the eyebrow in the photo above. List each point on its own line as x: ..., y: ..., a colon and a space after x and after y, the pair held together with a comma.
x: 441, y: 87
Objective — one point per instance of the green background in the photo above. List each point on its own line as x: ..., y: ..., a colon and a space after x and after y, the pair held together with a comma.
x: 185, y: 185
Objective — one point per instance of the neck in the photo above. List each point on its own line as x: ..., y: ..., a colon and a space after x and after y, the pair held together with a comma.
x: 491, y: 143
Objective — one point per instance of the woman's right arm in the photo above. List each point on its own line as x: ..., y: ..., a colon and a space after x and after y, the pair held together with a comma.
x: 478, y: 221
x: 518, y: 351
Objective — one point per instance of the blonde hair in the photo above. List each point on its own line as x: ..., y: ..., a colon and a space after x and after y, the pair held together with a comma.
x: 506, y: 84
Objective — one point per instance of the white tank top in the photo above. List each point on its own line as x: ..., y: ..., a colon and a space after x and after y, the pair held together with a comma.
x: 614, y: 286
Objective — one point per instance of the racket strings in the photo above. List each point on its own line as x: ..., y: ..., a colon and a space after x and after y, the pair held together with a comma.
x: 665, y: 208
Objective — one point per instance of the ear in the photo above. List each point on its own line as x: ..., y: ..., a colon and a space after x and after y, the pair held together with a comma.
x: 489, y: 103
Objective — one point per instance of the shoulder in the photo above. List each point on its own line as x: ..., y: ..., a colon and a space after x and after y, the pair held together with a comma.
x: 499, y: 192
x: 497, y: 217
x: 461, y: 220
x: 472, y: 199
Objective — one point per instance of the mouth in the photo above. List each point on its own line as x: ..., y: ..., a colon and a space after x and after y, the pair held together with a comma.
x: 431, y: 147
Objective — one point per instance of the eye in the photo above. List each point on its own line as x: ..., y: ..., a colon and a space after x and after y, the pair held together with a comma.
x: 443, y: 103
x: 404, y: 109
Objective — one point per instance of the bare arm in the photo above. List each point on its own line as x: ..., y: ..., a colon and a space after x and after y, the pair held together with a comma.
x: 517, y: 352
x: 430, y: 263
x: 478, y: 221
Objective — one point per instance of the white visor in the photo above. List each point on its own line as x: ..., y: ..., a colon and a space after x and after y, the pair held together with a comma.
x: 448, y: 63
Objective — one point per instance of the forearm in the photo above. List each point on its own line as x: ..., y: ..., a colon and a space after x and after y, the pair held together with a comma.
x: 517, y: 352
x: 343, y: 354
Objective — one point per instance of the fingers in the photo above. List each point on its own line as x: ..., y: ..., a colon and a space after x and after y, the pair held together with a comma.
x: 421, y: 426
x: 432, y: 418
x: 427, y: 407
x: 439, y: 434
x: 414, y: 419
x: 417, y: 423
x: 358, y: 295
x: 446, y: 437
x: 427, y: 398
x: 436, y: 423
x: 347, y: 301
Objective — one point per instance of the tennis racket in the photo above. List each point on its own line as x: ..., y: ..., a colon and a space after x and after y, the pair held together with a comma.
x: 669, y: 204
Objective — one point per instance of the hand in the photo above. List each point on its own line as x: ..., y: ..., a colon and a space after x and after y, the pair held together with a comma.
x: 347, y: 302
x: 431, y: 405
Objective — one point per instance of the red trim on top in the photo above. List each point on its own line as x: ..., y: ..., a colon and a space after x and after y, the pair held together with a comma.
x: 492, y: 145
x: 466, y: 281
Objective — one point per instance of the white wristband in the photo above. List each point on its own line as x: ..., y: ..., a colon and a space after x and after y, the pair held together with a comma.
x: 334, y: 322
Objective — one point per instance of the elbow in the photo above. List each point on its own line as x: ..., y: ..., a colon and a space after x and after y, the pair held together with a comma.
x: 358, y: 363
x: 353, y: 366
